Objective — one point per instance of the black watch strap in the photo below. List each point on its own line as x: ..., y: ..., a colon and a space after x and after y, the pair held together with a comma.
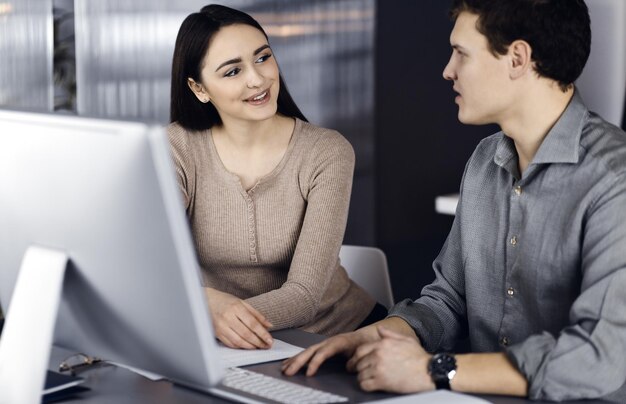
x: 442, y: 384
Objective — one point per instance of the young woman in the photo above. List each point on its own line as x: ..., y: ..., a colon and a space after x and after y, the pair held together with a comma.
x: 266, y: 192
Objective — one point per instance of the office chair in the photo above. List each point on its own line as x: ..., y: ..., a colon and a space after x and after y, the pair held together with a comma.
x: 367, y: 267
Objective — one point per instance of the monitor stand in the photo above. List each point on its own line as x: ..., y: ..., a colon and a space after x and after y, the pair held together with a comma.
x: 29, y: 326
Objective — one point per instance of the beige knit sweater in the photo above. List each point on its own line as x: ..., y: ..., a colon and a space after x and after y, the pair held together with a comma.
x: 277, y: 244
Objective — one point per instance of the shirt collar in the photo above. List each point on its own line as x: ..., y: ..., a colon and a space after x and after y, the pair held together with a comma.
x: 506, y: 155
x: 561, y: 144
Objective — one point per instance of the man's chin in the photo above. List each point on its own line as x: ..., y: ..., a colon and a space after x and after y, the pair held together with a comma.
x: 468, y: 119
x: 465, y: 119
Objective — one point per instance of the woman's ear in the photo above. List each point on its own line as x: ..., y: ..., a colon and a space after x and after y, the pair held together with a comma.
x: 198, y: 90
x: 520, y: 55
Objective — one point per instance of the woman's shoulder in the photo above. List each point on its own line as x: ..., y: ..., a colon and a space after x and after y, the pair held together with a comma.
x: 183, y: 139
x: 176, y: 133
x: 318, y: 139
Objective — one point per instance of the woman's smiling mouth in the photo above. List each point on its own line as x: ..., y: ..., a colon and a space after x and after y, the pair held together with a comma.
x: 260, y: 98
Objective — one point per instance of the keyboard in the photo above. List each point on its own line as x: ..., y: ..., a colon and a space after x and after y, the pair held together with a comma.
x: 251, y: 387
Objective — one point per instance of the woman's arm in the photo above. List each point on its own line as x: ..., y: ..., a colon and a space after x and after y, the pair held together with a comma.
x: 183, y: 164
x: 236, y: 323
x: 327, y: 178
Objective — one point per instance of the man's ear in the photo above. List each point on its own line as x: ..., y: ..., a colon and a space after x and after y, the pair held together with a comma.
x: 199, y: 90
x: 520, y: 56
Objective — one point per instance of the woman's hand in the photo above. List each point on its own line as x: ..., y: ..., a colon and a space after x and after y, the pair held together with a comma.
x: 236, y: 323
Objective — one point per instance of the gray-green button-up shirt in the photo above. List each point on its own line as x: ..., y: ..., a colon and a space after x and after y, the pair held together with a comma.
x: 535, y: 265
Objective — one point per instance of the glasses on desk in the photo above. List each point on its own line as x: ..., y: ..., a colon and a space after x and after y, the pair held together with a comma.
x: 77, y: 362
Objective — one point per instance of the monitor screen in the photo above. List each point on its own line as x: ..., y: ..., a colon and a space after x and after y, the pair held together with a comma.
x: 104, y: 192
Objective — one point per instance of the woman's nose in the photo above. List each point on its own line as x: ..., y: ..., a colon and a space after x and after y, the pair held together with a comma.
x: 255, y: 80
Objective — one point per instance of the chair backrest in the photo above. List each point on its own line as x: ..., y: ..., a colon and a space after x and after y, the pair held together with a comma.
x: 367, y: 267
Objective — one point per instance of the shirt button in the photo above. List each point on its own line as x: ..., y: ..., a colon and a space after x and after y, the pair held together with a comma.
x: 504, y: 341
x: 513, y: 240
x: 510, y: 292
x: 518, y: 190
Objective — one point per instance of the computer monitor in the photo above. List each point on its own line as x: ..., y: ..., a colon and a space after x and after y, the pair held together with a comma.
x: 103, y: 194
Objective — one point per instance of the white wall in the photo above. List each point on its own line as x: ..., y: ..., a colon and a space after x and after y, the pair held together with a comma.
x: 603, y: 82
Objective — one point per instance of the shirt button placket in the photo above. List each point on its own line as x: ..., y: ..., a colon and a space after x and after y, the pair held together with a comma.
x: 516, y: 208
x: 251, y: 230
x: 518, y: 191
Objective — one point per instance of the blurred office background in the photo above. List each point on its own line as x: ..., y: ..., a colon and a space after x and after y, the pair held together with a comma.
x: 368, y: 68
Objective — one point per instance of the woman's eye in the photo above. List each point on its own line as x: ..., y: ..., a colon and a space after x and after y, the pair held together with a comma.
x: 232, y: 72
x: 263, y: 58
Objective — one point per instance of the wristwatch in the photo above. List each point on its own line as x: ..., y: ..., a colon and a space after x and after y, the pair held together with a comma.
x: 442, y: 368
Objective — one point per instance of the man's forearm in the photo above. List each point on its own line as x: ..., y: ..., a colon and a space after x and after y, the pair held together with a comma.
x: 488, y: 373
x: 391, y: 323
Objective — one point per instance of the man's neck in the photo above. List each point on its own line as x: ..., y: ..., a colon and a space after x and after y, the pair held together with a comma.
x: 536, y: 113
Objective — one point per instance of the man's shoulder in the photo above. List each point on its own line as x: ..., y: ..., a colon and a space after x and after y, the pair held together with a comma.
x: 481, y: 165
x: 490, y: 142
x: 487, y: 147
x: 605, y: 143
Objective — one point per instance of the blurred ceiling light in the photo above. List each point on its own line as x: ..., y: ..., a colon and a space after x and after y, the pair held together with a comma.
x: 291, y: 30
x: 317, y: 16
x: 6, y: 8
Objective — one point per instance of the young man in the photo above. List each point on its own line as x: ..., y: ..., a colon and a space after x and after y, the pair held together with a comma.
x: 534, y: 267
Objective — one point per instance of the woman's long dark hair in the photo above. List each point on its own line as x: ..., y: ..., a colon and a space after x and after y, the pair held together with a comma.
x: 191, y: 45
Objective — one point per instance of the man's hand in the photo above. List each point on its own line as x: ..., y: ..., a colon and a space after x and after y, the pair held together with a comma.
x: 395, y: 363
x: 317, y: 354
x: 345, y: 344
x: 236, y: 323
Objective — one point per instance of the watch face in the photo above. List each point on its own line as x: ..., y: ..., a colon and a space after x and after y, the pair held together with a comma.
x: 442, y: 367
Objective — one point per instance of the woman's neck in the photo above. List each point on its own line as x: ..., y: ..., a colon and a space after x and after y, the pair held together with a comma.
x: 252, y: 135
x: 253, y: 151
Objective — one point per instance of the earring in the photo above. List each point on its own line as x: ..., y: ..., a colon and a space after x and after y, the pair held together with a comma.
x: 205, y: 100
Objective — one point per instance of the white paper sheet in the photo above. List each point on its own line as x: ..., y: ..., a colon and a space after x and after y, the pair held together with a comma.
x: 235, y: 357
x: 434, y: 397
x: 242, y: 357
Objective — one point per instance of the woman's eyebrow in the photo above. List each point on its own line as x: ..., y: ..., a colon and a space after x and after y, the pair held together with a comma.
x: 238, y: 59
